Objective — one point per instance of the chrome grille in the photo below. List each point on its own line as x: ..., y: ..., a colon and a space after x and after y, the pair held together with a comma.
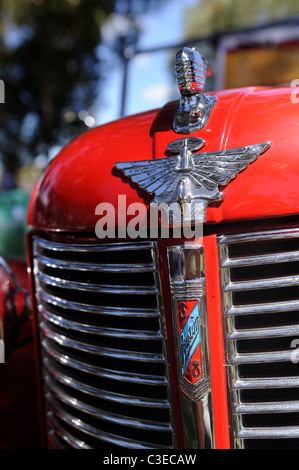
x: 103, y: 345
x: 260, y: 296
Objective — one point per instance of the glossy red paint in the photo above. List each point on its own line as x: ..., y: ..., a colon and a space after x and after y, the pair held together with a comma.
x: 83, y: 174
x: 217, y: 358
x: 18, y: 395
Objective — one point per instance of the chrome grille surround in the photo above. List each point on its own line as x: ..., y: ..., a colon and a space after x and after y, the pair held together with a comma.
x: 103, y: 347
x: 259, y: 275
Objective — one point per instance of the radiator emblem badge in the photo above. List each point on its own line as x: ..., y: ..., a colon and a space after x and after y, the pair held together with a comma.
x: 189, y: 312
x: 186, y: 182
x: 189, y: 340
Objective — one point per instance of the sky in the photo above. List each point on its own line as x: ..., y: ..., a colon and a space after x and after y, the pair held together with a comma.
x: 150, y: 84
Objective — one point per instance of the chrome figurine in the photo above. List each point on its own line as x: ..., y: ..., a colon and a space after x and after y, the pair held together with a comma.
x: 188, y: 182
x: 194, y: 107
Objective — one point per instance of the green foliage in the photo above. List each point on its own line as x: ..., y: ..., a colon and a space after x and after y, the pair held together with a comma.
x: 51, y: 66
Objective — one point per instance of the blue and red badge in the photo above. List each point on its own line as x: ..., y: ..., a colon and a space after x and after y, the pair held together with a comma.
x: 189, y: 340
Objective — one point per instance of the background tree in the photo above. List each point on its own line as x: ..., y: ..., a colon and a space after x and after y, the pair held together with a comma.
x: 51, y: 64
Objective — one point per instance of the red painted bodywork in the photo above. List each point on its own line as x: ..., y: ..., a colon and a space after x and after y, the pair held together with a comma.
x: 83, y: 175
x: 18, y: 392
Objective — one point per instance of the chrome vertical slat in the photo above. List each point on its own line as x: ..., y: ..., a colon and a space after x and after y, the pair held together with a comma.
x: 103, y: 345
x: 259, y: 275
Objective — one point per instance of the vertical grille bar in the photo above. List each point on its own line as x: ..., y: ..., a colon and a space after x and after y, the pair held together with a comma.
x: 260, y: 299
x: 103, y: 344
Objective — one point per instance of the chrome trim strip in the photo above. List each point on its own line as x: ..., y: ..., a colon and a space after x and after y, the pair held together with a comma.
x: 96, y: 288
x: 264, y: 333
x: 53, y: 442
x: 62, y: 322
x: 270, y: 407
x: 273, y: 307
x: 72, y: 343
x: 100, y: 310
x: 100, y: 268
x: 67, y: 360
x: 187, y: 282
x: 268, y: 283
x: 289, y: 432
x: 261, y: 259
x: 92, y: 247
x: 63, y: 434
x: 53, y: 439
x: 91, y: 430
x: 104, y: 415
x: 261, y: 358
x: 258, y: 236
x: 66, y: 379
x: 258, y: 383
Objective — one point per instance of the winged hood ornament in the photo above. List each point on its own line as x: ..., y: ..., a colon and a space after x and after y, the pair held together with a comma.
x: 187, y: 182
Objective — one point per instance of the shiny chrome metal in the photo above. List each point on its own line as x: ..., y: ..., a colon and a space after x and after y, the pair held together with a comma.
x: 187, y: 281
x: 69, y: 342
x: 272, y: 332
x: 100, y: 310
x: 272, y: 433
x: 270, y: 235
x: 95, y: 412
x: 268, y: 407
x: 261, y: 320
x: 69, y: 381
x: 103, y: 344
x: 103, y: 288
x: 61, y: 433
x: 271, y: 307
x: 68, y: 360
x: 283, y: 281
x: 260, y: 383
x: 260, y: 358
x: 185, y: 184
x: 84, y: 427
x: 194, y: 107
x: 184, y: 146
x: 95, y: 329
x: 257, y: 260
x: 91, y: 247
x: 102, y: 268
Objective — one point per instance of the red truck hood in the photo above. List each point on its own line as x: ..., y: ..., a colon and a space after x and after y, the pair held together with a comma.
x: 83, y: 174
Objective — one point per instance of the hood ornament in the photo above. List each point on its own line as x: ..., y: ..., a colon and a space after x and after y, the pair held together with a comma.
x: 187, y: 182
x: 194, y: 107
